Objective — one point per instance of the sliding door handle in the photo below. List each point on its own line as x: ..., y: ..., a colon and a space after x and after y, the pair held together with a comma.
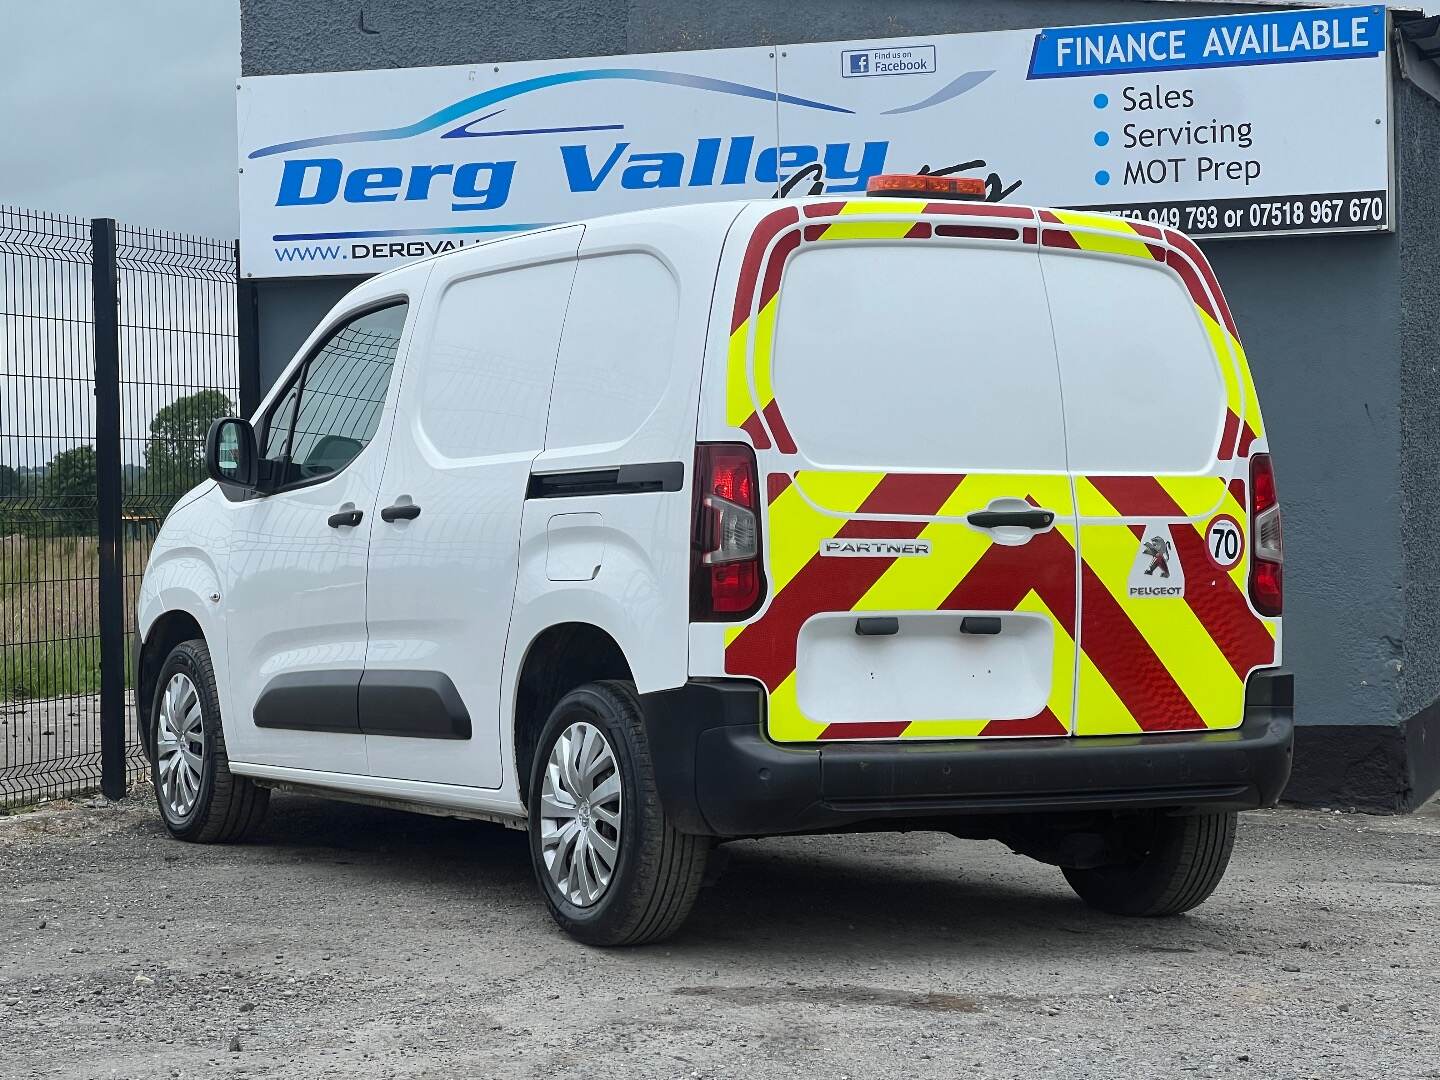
x: 400, y: 512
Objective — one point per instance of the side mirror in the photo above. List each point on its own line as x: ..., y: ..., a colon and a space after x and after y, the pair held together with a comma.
x: 230, y: 456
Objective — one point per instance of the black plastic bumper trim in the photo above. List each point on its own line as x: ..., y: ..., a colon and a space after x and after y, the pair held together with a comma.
x: 719, y: 775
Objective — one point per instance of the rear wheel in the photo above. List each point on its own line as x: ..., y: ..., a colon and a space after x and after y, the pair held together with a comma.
x: 612, y: 868
x: 200, y: 800
x: 1175, y: 864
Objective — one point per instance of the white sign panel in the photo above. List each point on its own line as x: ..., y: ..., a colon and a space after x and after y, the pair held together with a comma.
x: 1275, y: 122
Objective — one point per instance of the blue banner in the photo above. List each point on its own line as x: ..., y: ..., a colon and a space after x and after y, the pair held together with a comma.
x: 1276, y: 37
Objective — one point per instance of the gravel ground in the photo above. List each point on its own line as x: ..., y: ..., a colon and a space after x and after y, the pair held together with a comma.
x: 350, y: 941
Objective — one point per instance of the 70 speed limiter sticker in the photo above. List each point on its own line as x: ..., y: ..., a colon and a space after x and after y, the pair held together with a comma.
x: 1224, y: 542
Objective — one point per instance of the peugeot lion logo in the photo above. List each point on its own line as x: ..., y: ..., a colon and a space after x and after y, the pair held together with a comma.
x: 1158, y: 548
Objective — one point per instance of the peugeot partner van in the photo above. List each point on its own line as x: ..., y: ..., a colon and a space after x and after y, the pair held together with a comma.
x: 662, y: 530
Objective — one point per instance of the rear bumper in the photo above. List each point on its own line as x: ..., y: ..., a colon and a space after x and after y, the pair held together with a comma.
x: 718, y: 775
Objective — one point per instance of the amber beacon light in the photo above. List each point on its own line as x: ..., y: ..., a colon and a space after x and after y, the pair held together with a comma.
x: 927, y: 186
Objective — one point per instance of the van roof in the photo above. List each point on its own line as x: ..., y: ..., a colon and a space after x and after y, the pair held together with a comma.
x: 719, y: 214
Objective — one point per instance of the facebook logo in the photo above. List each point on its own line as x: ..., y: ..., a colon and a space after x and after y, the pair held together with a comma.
x: 894, y: 60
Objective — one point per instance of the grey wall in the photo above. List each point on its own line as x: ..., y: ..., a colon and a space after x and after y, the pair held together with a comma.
x: 284, y: 36
x: 1418, y: 146
x: 1319, y: 320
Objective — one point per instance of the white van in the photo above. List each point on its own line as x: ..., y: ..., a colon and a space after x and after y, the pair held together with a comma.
x: 734, y: 520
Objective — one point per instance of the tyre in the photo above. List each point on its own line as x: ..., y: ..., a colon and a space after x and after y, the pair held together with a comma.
x: 1179, y: 862
x: 200, y: 800
x: 611, y: 867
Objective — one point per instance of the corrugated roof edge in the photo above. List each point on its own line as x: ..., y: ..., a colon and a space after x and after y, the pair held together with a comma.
x: 1419, y: 51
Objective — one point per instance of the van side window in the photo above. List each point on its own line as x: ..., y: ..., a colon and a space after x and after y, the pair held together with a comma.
x: 282, y: 422
x: 332, y: 409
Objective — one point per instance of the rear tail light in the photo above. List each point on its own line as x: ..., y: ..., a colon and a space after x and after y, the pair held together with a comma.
x: 1267, y: 546
x: 726, y: 582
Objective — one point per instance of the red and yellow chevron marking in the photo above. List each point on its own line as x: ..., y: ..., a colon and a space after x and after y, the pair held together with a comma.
x: 1145, y: 664
x: 1210, y: 639
x: 966, y: 572
x: 752, y: 323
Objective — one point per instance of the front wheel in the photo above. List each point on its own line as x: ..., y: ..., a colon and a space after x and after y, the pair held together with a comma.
x: 613, y: 870
x: 1174, y: 865
x: 200, y: 799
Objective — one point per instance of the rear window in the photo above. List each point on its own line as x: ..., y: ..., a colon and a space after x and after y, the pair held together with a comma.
x: 917, y: 356
x: 1143, y: 392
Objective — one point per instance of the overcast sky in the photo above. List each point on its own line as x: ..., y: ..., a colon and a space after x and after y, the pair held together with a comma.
x: 121, y: 108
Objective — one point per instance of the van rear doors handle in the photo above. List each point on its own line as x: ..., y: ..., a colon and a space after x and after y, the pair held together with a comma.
x: 345, y: 519
x: 999, y: 519
x: 400, y: 511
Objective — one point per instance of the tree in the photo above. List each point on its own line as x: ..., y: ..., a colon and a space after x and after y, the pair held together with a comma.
x: 11, y: 490
x: 69, y: 491
x: 175, y: 454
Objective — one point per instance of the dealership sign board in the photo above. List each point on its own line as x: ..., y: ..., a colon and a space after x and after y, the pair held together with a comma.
x: 1275, y: 122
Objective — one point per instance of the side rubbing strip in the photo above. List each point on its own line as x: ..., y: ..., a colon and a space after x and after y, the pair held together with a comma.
x: 623, y: 480
x: 420, y: 704
x: 417, y: 704
x: 310, y: 701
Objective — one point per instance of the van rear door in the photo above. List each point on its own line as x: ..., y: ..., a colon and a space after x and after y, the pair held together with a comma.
x: 900, y: 385
x: 1160, y: 414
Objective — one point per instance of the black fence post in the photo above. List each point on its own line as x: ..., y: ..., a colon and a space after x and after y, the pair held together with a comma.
x: 247, y: 332
x: 105, y: 280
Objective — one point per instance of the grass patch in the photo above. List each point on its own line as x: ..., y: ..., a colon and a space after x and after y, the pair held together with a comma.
x: 50, y: 669
x: 50, y: 614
